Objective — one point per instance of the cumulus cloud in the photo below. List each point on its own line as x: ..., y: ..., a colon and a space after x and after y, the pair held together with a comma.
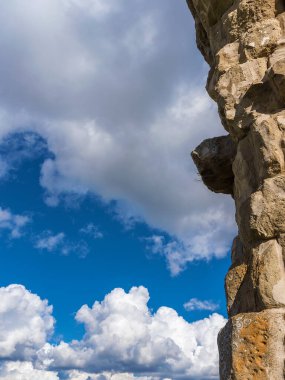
x: 77, y: 375
x: 14, y: 224
x: 123, y: 334
x: 25, y: 323
x: 123, y: 340
x: 196, y: 304
x: 16, y: 370
x: 120, y: 109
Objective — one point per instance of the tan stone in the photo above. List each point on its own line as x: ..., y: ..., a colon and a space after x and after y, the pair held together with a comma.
x: 230, y: 87
x: 251, y: 346
x: 257, y: 281
x: 277, y: 74
x: 238, y: 282
x: 268, y: 275
x: 251, y: 12
x: 239, y: 290
x: 262, y: 215
x: 261, y: 39
x: 260, y: 155
x: 227, y: 57
x: 277, y: 55
x: 210, y: 11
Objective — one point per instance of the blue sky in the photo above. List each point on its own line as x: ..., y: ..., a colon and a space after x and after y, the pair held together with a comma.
x: 100, y: 107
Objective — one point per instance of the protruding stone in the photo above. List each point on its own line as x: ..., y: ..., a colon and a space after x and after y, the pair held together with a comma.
x: 277, y: 76
x: 210, y: 11
x: 214, y: 158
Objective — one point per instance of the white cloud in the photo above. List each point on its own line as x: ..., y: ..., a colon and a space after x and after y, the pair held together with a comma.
x: 196, y: 304
x: 24, y: 371
x: 12, y: 223
x: 209, y: 235
x: 123, y: 335
x: 25, y: 323
x: 120, y: 108
x: 50, y: 242
x: 77, y: 375
x: 124, y: 340
x: 96, y: 8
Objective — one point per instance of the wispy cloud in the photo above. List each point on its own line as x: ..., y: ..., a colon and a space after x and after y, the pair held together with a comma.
x: 50, y: 242
x: 53, y: 242
x: 13, y: 224
x: 196, y: 304
x: 205, y: 240
x: 92, y: 231
x: 3, y: 168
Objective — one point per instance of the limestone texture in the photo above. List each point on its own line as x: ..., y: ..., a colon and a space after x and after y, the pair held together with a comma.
x: 243, y: 42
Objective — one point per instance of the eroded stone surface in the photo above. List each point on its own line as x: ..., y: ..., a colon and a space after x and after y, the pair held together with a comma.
x: 238, y: 283
x: 251, y: 346
x: 257, y: 280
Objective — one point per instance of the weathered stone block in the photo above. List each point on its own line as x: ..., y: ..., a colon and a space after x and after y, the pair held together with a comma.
x: 229, y: 87
x: 268, y: 274
x: 238, y: 282
x: 260, y: 155
x: 261, y: 39
x: 251, y: 346
x: 262, y: 215
x: 210, y: 11
x: 277, y: 77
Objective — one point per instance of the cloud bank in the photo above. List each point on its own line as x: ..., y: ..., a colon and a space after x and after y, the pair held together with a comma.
x: 116, y: 92
x: 122, y: 336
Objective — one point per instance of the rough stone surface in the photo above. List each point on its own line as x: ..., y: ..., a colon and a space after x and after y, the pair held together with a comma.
x: 244, y: 43
x: 251, y: 346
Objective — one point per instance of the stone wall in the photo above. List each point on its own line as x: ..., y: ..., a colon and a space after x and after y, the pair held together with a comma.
x: 244, y: 43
